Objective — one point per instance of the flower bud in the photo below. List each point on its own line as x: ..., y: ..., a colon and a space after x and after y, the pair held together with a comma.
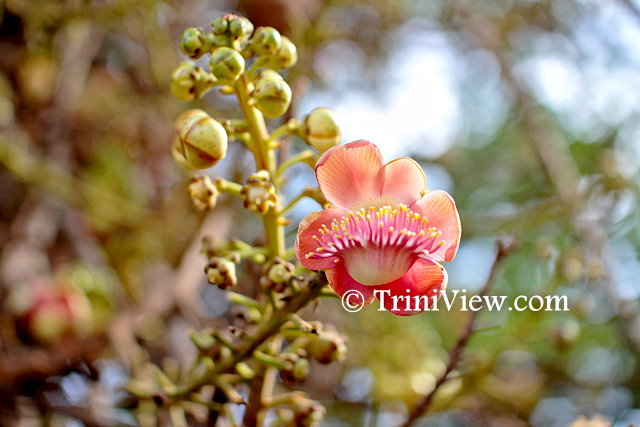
x: 296, y: 368
x: 221, y: 272
x: 308, y: 413
x: 203, y: 193
x: 194, y: 43
x: 266, y: 41
x: 329, y: 346
x: 189, y: 82
x: 321, y: 130
x: 259, y: 193
x: 234, y: 26
x: 48, y: 311
x: 200, y: 141
x: 277, y: 275
x: 226, y: 64
x: 285, y: 57
x: 272, y: 95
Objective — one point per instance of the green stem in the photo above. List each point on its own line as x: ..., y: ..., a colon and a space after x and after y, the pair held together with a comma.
x: 265, y: 159
x: 303, y: 156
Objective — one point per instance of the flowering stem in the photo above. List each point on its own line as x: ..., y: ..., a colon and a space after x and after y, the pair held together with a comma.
x: 455, y: 355
x: 265, y: 159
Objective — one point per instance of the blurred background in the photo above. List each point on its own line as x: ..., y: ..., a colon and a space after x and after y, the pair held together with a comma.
x: 527, y: 112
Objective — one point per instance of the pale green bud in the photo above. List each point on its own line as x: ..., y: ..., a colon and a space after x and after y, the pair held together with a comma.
x: 226, y: 64
x: 200, y: 141
x: 272, y: 95
x: 266, y: 41
x: 296, y: 368
x: 321, y: 130
x: 285, y: 57
x: 194, y: 43
x: 189, y: 82
x: 233, y: 26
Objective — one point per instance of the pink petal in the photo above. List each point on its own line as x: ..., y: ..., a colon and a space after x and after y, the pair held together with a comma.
x: 342, y: 282
x: 349, y: 174
x: 424, y: 280
x: 404, y: 180
x: 305, y: 242
x: 440, y: 210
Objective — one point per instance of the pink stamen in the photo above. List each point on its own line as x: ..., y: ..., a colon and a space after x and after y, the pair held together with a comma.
x: 384, y: 227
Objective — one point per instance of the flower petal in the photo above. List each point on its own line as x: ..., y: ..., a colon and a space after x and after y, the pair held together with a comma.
x: 422, y: 284
x: 440, y: 210
x: 404, y: 180
x: 305, y: 243
x: 351, y: 173
x: 342, y: 282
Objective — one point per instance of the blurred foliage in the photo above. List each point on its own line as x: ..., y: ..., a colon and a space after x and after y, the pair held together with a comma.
x: 525, y: 111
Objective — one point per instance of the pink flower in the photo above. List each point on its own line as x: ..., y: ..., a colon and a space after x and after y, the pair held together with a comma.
x: 382, y: 233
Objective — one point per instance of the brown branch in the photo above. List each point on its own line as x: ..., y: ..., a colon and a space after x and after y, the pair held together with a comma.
x: 456, y: 353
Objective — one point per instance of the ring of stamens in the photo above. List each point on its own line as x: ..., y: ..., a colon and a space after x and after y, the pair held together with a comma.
x: 377, y: 227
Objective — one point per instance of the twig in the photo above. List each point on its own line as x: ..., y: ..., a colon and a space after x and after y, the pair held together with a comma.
x: 455, y: 355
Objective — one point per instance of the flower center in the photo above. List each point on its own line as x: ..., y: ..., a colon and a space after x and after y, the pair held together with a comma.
x: 378, y: 245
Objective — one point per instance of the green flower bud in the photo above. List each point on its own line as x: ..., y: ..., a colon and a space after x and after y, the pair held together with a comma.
x: 194, y: 43
x: 259, y: 193
x: 272, y: 95
x: 203, y: 193
x: 321, y: 130
x: 329, y: 346
x: 296, y: 368
x: 200, y: 141
x: 285, y: 57
x: 189, y: 82
x: 221, y: 272
x: 266, y: 41
x: 232, y: 26
x: 277, y: 274
x: 226, y: 64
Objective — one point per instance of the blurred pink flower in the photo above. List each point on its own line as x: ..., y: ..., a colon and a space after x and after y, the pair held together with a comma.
x: 385, y: 231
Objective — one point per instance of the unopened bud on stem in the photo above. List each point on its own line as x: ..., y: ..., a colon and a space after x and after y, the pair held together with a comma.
x: 200, y: 141
x: 226, y: 65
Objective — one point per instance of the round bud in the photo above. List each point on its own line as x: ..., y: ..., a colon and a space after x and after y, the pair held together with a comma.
x: 266, y: 41
x: 329, y: 346
x: 240, y: 27
x: 272, y: 95
x: 203, y: 193
x: 285, y: 57
x: 194, y: 43
x: 226, y: 64
x: 220, y: 25
x: 296, y: 368
x: 189, y: 82
x: 321, y: 130
x: 200, y: 141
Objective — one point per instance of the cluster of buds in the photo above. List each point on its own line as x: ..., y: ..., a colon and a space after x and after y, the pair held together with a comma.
x: 277, y: 274
x: 47, y: 311
x: 203, y: 193
x: 221, y: 271
x: 200, y: 141
x: 259, y: 193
